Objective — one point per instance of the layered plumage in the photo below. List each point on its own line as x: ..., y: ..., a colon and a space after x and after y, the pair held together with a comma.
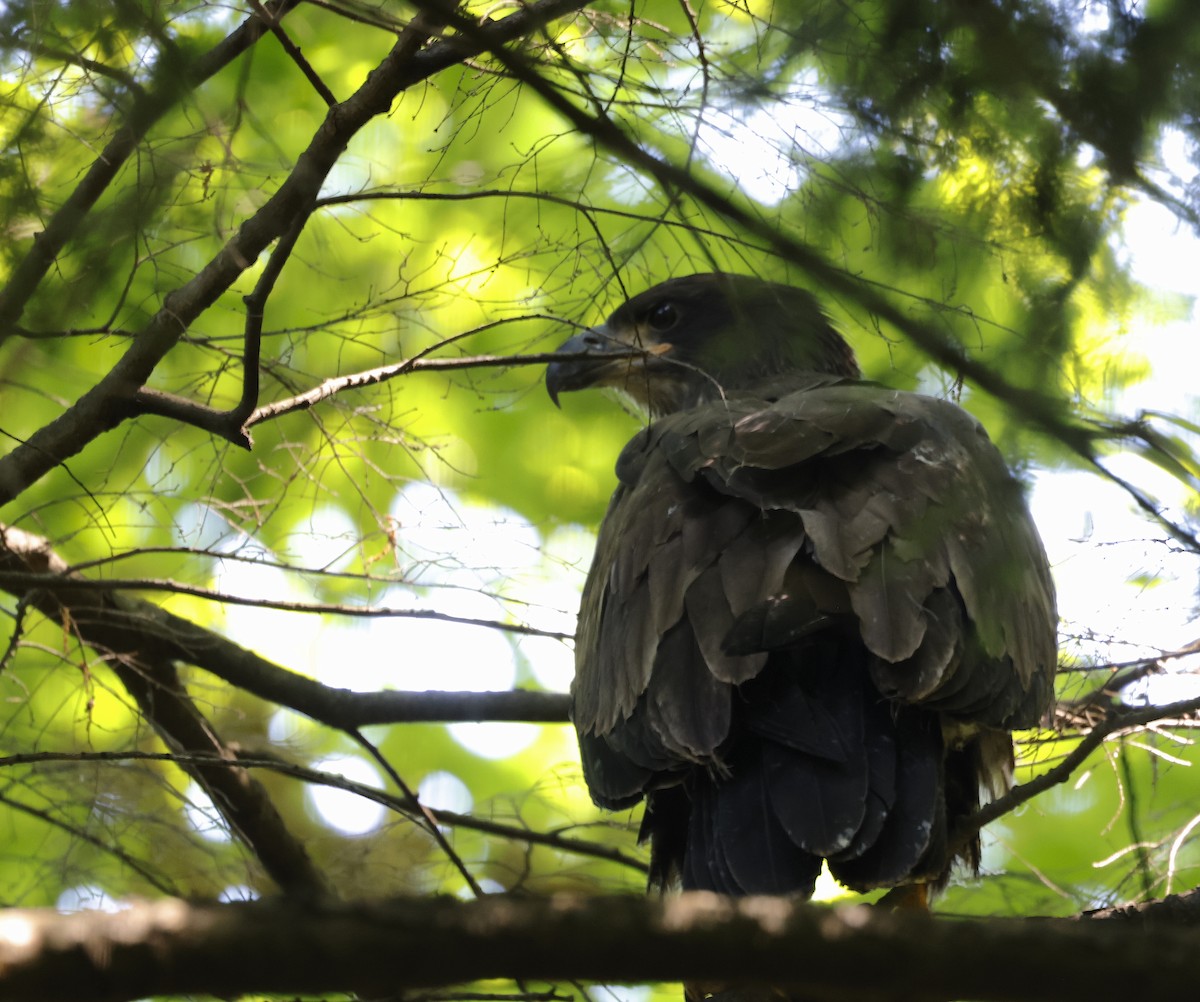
x: 817, y: 606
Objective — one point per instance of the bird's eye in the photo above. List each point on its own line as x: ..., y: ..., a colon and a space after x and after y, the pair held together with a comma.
x: 663, y: 317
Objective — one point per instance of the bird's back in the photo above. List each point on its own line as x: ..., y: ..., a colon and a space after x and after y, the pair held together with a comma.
x: 816, y: 609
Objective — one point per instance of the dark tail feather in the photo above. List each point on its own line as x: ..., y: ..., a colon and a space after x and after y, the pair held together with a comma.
x: 914, y: 830
x: 820, y: 767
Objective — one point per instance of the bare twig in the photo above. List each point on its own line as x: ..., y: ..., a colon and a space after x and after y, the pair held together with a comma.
x: 370, y: 377
x: 423, y: 814
x: 248, y: 760
x: 16, y: 581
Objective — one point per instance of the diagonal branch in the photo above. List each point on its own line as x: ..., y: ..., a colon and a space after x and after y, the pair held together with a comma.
x: 294, y: 53
x: 230, y: 424
x: 112, y: 400
x: 147, y: 109
x: 1115, y: 720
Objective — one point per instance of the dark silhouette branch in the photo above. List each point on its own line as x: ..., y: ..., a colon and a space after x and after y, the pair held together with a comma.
x: 15, y: 581
x: 587, y: 210
x: 419, y: 812
x: 294, y: 53
x: 126, y: 80
x: 847, y: 952
x: 1177, y: 910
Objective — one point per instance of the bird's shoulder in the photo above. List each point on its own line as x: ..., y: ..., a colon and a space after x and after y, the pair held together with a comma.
x: 791, y: 420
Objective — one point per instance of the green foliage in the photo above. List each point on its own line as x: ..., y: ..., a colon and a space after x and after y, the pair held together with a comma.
x: 970, y: 163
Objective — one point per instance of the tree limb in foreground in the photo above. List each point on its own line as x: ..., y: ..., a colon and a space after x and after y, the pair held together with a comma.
x: 846, y: 952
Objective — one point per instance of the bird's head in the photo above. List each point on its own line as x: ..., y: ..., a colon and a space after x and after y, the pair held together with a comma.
x: 694, y: 339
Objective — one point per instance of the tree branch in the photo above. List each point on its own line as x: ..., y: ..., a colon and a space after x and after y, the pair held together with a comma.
x: 230, y: 424
x: 111, y: 400
x: 150, y: 677
x: 293, y: 51
x: 1115, y: 720
x: 847, y: 952
x: 147, y: 109
x: 419, y: 363
x: 28, y: 565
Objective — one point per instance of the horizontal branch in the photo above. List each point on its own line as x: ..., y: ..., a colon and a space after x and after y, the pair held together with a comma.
x: 847, y: 952
x: 29, y: 565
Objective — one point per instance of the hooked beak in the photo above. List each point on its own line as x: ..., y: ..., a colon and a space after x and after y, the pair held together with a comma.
x: 580, y: 373
x: 598, y: 370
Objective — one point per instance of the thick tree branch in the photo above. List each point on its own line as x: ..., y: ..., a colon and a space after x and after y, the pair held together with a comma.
x: 241, y: 799
x: 1180, y: 910
x: 848, y: 952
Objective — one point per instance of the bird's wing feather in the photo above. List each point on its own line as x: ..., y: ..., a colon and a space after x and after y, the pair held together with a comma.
x: 896, y: 507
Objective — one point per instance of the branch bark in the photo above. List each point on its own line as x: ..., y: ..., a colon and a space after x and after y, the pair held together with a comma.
x: 847, y: 952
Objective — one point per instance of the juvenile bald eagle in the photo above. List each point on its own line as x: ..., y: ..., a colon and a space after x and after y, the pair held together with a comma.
x: 817, y: 608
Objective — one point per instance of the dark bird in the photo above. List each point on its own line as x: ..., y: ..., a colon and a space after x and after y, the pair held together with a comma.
x: 817, y: 609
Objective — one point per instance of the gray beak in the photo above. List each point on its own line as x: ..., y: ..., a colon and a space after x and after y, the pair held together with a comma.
x: 580, y: 373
